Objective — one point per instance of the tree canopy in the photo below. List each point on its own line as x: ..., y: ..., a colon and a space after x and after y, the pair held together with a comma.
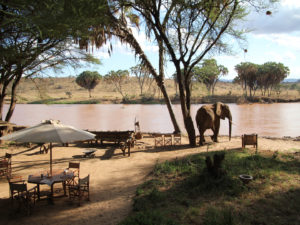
x: 88, y: 80
x: 118, y: 78
x: 264, y: 77
x: 186, y: 31
x: 33, y: 37
x: 209, y: 73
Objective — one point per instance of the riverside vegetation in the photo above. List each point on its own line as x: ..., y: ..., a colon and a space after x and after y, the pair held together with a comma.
x: 66, y: 91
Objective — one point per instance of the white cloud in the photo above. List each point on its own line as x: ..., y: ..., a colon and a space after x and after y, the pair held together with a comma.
x: 291, y: 3
x: 285, y: 40
x: 284, y: 19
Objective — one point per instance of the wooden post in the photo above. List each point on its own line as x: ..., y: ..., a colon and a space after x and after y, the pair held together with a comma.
x: 50, y: 146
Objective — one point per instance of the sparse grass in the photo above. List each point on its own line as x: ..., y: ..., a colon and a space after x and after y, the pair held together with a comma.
x: 54, y: 91
x: 183, y: 192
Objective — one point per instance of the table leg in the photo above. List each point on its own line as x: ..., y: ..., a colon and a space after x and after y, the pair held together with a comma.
x: 50, y: 196
x: 38, y: 192
x: 64, y: 187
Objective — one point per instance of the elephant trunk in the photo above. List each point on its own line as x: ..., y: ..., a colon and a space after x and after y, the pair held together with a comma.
x: 230, y: 124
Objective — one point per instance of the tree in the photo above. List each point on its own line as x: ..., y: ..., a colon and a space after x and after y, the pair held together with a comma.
x: 88, y: 80
x: 247, y: 76
x: 186, y: 31
x: 32, y: 40
x: 118, y: 78
x: 142, y: 75
x: 209, y: 73
x: 117, y: 20
x: 271, y: 74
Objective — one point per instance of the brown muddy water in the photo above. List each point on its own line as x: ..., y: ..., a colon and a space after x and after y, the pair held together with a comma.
x: 275, y: 120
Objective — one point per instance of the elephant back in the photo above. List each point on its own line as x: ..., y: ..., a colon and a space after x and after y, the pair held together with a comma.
x: 205, y: 115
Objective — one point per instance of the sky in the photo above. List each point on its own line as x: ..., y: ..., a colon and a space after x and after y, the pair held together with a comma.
x: 274, y: 37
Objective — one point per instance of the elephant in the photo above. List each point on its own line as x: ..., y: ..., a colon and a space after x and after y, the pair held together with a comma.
x: 208, y: 117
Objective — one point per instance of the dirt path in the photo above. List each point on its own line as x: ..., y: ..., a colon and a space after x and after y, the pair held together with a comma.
x: 113, y: 180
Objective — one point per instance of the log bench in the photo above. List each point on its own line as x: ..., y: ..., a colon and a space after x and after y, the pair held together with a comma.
x: 124, y: 139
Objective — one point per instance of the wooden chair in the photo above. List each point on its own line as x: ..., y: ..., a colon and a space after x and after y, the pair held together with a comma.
x: 25, y: 198
x: 80, y: 190
x: 249, y: 139
x: 44, y: 148
x: 177, y: 139
x: 5, y: 166
x: 75, y: 168
x: 158, y: 140
x: 167, y: 139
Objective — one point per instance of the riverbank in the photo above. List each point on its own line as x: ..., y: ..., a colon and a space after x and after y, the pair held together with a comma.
x: 66, y: 91
x: 114, y: 178
x: 202, y: 100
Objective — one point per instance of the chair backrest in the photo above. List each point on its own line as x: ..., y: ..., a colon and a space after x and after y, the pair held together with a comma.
x: 75, y: 168
x: 15, y: 179
x: 84, y: 181
x: 16, y: 189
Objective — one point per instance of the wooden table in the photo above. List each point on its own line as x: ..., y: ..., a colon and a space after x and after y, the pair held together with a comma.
x: 58, y: 176
x: 124, y: 139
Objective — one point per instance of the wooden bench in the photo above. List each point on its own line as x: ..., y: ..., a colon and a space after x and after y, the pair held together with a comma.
x: 125, y: 139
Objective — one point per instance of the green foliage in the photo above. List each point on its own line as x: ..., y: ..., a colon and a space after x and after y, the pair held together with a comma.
x: 118, y: 78
x: 247, y: 76
x: 209, y: 73
x: 69, y: 94
x: 37, y: 35
x: 88, y: 80
x: 265, y: 77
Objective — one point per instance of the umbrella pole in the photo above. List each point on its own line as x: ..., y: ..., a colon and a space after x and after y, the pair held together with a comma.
x: 50, y: 159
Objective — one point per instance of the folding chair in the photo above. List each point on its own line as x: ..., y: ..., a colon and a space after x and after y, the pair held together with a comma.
x: 5, y: 166
x: 75, y: 168
x: 25, y: 198
x: 80, y: 190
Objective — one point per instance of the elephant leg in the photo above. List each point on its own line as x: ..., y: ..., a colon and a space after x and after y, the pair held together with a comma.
x: 216, y: 130
x: 202, y: 140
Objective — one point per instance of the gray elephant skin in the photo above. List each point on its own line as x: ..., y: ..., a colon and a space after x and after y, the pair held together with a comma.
x: 208, y: 117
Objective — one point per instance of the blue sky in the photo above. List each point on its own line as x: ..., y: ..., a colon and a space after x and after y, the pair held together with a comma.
x: 272, y: 38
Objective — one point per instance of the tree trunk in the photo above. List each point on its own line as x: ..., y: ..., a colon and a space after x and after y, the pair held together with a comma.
x: 2, y: 97
x: 185, y: 108
x: 13, y: 99
x: 171, y: 112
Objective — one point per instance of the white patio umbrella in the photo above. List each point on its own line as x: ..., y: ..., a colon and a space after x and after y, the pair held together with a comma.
x: 49, y: 131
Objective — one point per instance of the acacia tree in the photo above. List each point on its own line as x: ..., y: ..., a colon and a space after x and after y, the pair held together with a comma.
x: 187, y: 31
x: 118, y: 79
x: 116, y: 20
x: 209, y: 73
x: 271, y: 74
x: 88, y: 80
x: 247, y: 76
x: 142, y: 75
x: 31, y: 41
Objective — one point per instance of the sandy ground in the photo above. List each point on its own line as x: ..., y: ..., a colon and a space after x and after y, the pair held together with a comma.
x: 114, y: 177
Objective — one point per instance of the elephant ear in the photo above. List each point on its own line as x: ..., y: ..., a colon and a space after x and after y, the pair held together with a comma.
x: 218, y: 108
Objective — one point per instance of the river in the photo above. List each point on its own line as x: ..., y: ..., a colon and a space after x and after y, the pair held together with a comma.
x: 275, y: 120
